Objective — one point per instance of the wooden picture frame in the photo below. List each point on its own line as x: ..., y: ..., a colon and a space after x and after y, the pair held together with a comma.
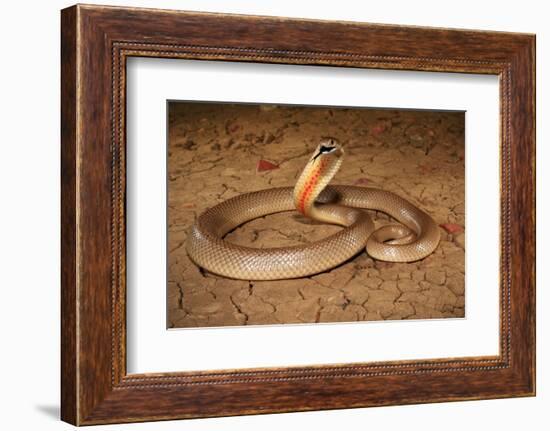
x: 95, y: 43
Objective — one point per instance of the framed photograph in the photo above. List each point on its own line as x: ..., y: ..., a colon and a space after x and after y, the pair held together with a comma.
x: 264, y: 214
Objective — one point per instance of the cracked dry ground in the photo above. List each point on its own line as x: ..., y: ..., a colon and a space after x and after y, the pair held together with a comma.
x: 217, y: 151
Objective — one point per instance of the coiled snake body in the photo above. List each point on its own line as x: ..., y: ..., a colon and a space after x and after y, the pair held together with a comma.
x: 416, y: 238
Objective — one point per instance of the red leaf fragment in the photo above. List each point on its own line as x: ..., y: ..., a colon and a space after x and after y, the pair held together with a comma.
x: 361, y: 181
x: 382, y: 125
x: 265, y: 165
x: 377, y: 129
x: 427, y: 169
x: 452, y: 228
x: 232, y: 127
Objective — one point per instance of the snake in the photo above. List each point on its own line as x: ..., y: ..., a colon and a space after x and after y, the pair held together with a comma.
x: 413, y: 238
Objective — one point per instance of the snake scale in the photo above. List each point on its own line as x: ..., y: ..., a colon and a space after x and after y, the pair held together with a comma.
x: 416, y: 237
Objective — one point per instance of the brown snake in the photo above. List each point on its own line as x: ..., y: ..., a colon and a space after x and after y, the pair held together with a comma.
x: 415, y: 238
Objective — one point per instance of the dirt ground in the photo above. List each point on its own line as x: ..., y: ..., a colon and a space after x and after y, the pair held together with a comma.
x: 217, y: 151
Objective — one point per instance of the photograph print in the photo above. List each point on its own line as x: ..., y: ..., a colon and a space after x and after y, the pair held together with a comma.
x: 288, y: 214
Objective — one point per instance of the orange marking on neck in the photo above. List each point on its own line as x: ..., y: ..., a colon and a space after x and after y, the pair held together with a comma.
x: 308, y: 187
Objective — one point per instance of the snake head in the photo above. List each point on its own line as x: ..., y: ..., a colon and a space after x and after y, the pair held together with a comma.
x: 328, y: 145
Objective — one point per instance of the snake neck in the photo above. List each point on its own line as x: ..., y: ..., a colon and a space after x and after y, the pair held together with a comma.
x: 313, y: 179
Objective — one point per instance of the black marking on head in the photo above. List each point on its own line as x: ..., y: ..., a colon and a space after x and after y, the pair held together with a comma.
x: 323, y: 149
